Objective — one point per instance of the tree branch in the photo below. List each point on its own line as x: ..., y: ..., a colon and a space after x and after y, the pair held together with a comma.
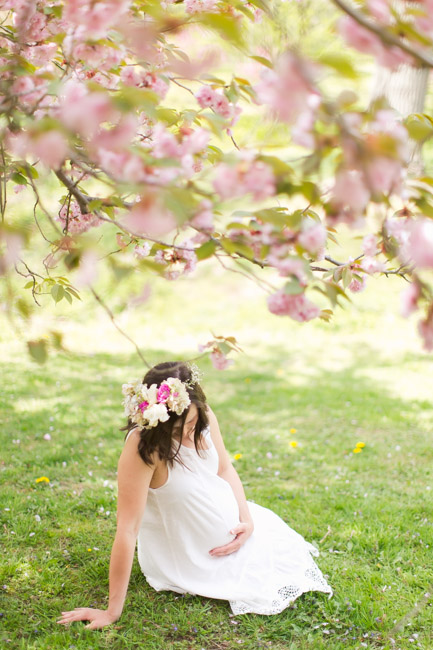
x: 385, y: 36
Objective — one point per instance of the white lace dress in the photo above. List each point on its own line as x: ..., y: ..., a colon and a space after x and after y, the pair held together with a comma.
x: 193, y: 513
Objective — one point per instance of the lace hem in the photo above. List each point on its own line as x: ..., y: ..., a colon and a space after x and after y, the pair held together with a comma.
x: 286, y: 595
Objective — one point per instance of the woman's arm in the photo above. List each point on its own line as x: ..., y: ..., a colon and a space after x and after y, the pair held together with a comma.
x: 133, y: 478
x: 228, y: 473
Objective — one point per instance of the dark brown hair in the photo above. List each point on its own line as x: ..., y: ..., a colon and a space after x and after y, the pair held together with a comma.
x: 160, y: 438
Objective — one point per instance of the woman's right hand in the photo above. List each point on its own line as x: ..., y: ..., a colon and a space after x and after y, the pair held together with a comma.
x: 98, y: 617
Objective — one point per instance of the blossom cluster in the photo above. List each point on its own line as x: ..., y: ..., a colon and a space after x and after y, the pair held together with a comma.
x: 74, y: 221
x: 174, y: 257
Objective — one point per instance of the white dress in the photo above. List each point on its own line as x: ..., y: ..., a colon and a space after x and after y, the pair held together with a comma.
x: 193, y: 513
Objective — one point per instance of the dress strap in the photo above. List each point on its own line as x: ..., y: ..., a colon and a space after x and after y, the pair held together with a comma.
x: 129, y: 433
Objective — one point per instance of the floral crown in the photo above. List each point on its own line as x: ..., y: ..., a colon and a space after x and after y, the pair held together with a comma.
x: 147, y: 405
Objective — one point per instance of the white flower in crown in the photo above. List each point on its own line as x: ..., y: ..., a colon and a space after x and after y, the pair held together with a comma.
x: 154, y: 414
x: 175, y: 396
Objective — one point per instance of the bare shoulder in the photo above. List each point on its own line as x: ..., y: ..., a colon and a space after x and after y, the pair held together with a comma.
x: 210, y: 413
x: 130, y: 458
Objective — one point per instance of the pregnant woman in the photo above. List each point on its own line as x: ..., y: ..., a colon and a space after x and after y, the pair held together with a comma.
x: 181, y: 500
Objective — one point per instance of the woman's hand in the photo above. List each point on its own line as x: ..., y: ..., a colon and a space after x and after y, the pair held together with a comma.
x: 98, y: 617
x: 242, y: 532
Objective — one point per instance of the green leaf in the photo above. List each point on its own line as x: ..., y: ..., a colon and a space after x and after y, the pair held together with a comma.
x: 277, y: 216
x: 130, y: 97
x: 56, y: 339
x: 340, y: 62
x: 206, y: 250
x: 58, y: 292
x: 181, y: 202
x: 225, y: 25
x: 72, y: 291
x: 109, y: 210
x: 28, y: 284
x: 419, y: 127
x: 263, y: 61
x: 167, y: 115
x: 94, y: 205
x: 38, y: 350
x: 68, y: 297
x: 18, y: 178
x: 293, y: 287
x: 225, y: 349
x: 347, y: 277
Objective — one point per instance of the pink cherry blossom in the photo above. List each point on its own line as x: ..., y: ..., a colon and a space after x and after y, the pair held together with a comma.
x: 424, y: 20
x: 87, y: 272
x: 143, y: 250
x: 50, y: 147
x: 357, y: 285
x: 420, y: 247
x: 380, y: 9
x: 205, y: 96
x: 297, y: 306
x: 208, y: 97
x: 409, y: 299
x: 370, y: 244
x: 72, y: 219
x: 384, y: 175
x: 150, y: 217
x: 287, y: 87
x: 350, y: 191
x: 313, y: 239
x: 203, y: 219
x: 425, y: 329
x: 123, y: 166
x: 289, y: 266
x: 155, y: 83
x: 14, y: 243
x: 372, y: 264
x: 198, y: 6
x: 365, y: 41
x: 94, y: 18
x: 117, y: 138
x: 195, y: 141
x: 83, y: 111
x: 219, y: 360
x: 255, y: 177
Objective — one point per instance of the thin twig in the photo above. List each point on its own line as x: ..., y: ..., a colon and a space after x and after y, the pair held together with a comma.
x: 110, y: 313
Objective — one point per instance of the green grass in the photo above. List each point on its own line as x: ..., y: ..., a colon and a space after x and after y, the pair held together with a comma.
x: 363, y: 377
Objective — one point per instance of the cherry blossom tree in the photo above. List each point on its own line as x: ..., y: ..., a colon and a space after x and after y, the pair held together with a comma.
x: 128, y: 110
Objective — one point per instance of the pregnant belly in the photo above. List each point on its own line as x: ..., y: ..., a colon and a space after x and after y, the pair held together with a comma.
x: 213, y: 516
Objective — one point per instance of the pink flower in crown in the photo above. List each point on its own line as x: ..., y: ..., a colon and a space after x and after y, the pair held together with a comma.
x: 163, y: 393
x: 143, y: 405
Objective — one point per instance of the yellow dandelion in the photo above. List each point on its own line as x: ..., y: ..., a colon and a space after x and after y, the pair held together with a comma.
x: 89, y: 549
x: 293, y: 443
x: 237, y: 456
x: 357, y: 450
x: 293, y: 430
x: 43, y: 478
x: 247, y: 380
x: 360, y: 444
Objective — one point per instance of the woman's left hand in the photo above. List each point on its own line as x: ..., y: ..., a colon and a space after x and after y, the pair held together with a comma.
x: 242, y: 532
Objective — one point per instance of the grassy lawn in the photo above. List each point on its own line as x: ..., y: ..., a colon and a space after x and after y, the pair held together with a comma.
x: 362, y: 378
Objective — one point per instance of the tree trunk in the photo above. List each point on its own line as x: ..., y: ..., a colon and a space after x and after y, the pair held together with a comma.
x: 405, y: 91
